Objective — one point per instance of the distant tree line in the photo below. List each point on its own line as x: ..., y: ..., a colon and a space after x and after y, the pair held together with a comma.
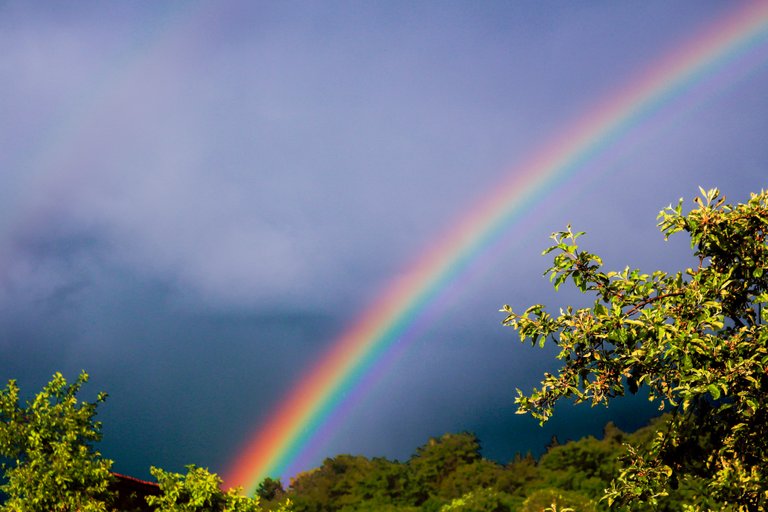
x: 448, y: 474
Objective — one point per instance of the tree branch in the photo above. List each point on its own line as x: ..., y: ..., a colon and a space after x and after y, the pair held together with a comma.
x: 651, y: 300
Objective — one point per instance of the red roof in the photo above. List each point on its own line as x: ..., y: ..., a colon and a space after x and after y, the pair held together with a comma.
x: 131, y: 493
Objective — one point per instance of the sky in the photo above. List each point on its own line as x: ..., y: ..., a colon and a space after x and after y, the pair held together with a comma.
x: 198, y: 198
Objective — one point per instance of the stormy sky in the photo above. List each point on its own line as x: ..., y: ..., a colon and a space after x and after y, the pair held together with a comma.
x: 197, y: 198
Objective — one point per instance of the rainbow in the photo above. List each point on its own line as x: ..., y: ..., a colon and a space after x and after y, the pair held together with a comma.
x: 301, y: 417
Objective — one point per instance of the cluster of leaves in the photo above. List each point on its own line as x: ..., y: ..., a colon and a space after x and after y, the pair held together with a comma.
x: 199, y: 491
x: 50, y: 464
x: 696, y: 340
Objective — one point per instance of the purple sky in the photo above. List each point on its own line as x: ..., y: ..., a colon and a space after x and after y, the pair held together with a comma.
x: 196, y: 198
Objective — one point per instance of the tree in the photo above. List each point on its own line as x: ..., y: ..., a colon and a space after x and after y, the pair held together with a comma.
x: 198, y: 491
x: 347, y: 482
x: 481, y: 500
x: 696, y: 340
x: 481, y: 474
x: 438, y: 458
x: 50, y: 463
x: 587, y: 465
x: 270, y: 489
x: 557, y: 500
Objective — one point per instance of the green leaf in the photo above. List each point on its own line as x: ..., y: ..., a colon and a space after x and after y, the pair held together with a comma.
x: 714, y: 391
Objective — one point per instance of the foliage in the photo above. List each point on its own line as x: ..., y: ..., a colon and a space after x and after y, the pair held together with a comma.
x: 584, y: 465
x: 480, y: 474
x: 435, y: 462
x: 696, y: 339
x: 48, y: 447
x: 481, y: 500
x: 197, y: 491
x: 270, y: 489
x: 443, y: 469
x: 557, y: 500
x: 346, y: 482
x: 576, y: 471
x: 519, y: 476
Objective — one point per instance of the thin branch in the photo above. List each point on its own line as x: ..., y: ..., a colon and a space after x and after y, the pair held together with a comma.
x: 651, y: 300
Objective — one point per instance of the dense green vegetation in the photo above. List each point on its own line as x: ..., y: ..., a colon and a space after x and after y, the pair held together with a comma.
x: 448, y: 474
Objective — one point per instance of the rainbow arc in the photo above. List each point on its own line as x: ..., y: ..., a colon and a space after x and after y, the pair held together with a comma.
x: 296, y: 425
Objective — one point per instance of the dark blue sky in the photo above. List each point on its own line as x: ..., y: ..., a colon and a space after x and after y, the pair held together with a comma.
x: 197, y: 198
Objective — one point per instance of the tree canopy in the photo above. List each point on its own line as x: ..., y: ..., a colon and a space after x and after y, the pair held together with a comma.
x: 48, y: 447
x: 696, y: 340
